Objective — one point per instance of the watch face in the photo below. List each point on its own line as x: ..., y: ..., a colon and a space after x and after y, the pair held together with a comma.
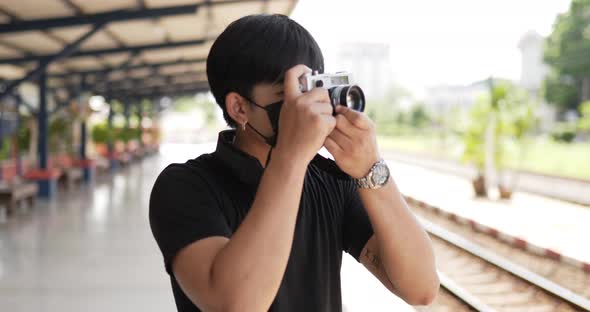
x: 380, y: 174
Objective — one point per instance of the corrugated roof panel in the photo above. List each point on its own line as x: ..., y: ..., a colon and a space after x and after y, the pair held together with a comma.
x: 81, y: 63
x: 11, y: 72
x: 198, y: 66
x: 33, y: 41
x: 174, y: 69
x: 185, y: 27
x: 144, y: 72
x: 138, y: 32
x: 104, y: 5
x: 162, y: 55
x: 71, y: 34
x: 223, y: 15
x: 32, y: 9
x: 99, y: 40
x: 117, y: 59
x: 280, y: 6
x: 208, y: 22
x: 189, y: 79
x: 8, y: 52
x: 164, y: 3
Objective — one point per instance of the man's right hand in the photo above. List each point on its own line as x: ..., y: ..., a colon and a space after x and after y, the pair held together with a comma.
x: 305, y: 121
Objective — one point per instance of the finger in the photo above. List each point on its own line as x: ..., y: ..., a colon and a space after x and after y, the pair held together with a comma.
x: 344, y: 125
x: 291, y: 84
x: 322, y: 108
x: 358, y: 119
x: 333, y: 147
x: 330, y: 122
x: 317, y: 95
x: 318, y: 100
x: 339, y: 137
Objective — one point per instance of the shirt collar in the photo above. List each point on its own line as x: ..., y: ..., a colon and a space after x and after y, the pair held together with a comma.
x: 249, y: 170
x: 246, y: 167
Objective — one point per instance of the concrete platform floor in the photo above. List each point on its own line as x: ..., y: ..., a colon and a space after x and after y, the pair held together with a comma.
x: 91, y: 249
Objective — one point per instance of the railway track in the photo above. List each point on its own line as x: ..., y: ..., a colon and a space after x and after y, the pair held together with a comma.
x: 562, y: 273
x: 480, y: 280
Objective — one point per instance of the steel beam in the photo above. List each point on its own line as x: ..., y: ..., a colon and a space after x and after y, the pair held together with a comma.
x: 143, y: 82
x: 97, y: 52
x: 130, y: 67
x: 45, y: 61
x: 143, y: 89
x: 104, y: 17
x: 162, y: 93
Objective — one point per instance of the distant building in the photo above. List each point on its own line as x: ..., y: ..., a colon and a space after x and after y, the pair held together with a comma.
x: 445, y: 97
x: 533, y: 70
x: 370, y: 65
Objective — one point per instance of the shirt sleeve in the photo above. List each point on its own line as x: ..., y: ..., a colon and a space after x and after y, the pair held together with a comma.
x: 183, y: 209
x: 356, y: 226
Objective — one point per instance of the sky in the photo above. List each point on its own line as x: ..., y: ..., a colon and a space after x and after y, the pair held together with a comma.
x: 432, y: 42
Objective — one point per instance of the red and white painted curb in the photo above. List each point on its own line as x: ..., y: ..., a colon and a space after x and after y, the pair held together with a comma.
x: 509, y: 239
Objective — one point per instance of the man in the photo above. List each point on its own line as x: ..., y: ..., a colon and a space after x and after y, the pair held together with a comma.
x: 261, y: 223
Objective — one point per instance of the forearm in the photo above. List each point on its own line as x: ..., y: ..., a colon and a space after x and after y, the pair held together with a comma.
x: 404, y: 247
x: 249, y: 269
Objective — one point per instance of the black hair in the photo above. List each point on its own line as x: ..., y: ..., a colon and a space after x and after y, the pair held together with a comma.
x: 258, y: 49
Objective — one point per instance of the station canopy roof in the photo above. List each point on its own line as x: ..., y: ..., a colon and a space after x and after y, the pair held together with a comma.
x: 128, y: 48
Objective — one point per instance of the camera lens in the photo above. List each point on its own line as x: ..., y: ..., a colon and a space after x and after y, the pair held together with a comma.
x: 351, y: 96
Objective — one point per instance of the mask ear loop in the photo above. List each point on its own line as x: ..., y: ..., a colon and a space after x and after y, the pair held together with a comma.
x: 267, y: 142
x: 265, y: 138
x: 268, y: 157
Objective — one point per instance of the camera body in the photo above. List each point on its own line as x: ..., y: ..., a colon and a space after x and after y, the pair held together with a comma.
x: 316, y: 80
x: 339, y: 86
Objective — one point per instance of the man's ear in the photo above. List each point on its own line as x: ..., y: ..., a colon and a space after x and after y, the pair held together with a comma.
x: 235, y: 106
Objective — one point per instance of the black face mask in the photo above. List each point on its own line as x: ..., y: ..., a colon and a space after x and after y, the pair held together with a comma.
x: 273, y: 111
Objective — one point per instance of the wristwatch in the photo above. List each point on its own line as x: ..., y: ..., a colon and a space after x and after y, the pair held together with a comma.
x: 376, y: 178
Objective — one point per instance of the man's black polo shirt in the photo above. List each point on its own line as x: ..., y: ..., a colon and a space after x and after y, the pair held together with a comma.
x: 211, y: 195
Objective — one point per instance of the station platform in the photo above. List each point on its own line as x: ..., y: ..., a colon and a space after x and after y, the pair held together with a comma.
x: 91, y: 249
x: 559, y: 226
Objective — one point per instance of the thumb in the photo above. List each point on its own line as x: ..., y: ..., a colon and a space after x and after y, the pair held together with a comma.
x: 291, y: 84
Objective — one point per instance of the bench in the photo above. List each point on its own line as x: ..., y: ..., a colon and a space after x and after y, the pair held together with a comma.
x: 13, y: 194
x: 71, y: 176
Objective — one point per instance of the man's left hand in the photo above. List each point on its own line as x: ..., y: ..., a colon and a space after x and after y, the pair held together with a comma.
x: 353, y: 142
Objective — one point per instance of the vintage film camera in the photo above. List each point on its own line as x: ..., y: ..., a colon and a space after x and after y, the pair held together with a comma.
x: 340, y: 88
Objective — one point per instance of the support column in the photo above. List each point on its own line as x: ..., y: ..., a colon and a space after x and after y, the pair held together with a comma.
x: 129, y: 154
x: 87, y: 165
x: 114, y: 163
x: 45, y: 176
x: 126, y: 113
x: 83, y: 139
x: 17, y: 153
x: 140, y: 118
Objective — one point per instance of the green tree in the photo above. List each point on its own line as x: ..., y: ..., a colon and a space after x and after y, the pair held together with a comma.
x: 560, y: 91
x: 101, y: 133
x: 473, y: 133
x: 584, y: 122
x: 418, y: 116
x: 566, y: 51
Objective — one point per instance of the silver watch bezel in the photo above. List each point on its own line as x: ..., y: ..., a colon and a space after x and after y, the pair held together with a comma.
x: 368, y: 182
